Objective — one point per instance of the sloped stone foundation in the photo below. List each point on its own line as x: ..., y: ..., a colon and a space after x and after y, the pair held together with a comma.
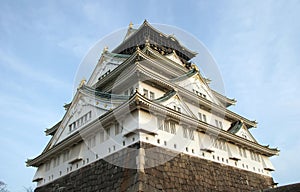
x: 181, y: 173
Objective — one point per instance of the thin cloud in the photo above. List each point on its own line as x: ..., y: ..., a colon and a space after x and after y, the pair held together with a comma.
x: 26, y: 71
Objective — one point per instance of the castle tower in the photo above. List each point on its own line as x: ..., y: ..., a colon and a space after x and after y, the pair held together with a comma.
x: 147, y: 120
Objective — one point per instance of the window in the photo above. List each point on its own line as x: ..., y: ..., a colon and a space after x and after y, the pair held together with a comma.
x: 243, y: 152
x: 185, y: 134
x: 66, y: 155
x: 81, y: 121
x: 107, y: 133
x: 254, y: 156
x: 146, y: 93
x: 188, y: 133
x: 101, y: 136
x: 219, y: 124
x: 166, y: 126
x: 47, y: 166
x: 117, y: 128
x: 173, y: 127
x: 56, y: 161
x: 191, y: 134
x: 179, y: 109
x: 220, y: 144
x: 92, y: 142
x: 160, y: 124
x: 152, y: 96
x: 199, y: 94
x: 200, y: 116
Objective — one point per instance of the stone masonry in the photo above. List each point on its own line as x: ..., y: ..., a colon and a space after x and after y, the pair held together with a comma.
x: 181, y: 173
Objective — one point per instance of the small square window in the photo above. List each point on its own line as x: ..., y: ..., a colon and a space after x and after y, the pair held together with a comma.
x: 179, y: 109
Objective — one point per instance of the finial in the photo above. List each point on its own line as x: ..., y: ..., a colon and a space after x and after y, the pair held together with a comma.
x: 82, y: 83
x: 138, y: 48
x: 147, y: 43
x: 105, y: 49
x: 130, y: 25
x: 194, y: 66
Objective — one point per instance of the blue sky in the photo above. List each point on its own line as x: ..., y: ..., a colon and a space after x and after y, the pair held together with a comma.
x: 255, y: 43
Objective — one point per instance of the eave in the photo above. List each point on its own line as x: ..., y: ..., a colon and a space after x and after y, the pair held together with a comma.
x: 186, y: 93
x: 227, y: 101
x: 207, y: 128
x: 137, y: 101
x: 52, y: 130
x: 76, y: 137
x: 141, y: 56
x: 202, y: 101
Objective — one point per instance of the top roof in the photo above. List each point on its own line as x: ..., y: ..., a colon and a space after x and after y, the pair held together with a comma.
x: 146, y: 33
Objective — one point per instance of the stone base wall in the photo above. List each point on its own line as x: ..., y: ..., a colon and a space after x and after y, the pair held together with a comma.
x: 181, y: 173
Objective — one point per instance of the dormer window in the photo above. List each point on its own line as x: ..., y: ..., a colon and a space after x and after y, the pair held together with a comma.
x: 145, y: 93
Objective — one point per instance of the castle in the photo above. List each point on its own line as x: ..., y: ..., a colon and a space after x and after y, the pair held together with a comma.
x: 147, y: 120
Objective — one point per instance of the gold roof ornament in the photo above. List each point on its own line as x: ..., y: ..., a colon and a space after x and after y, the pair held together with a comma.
x: 130, y: 25
x: 82, y: 83
x: 105, y: 49
x: 194, y: 66
x: 147, y: 43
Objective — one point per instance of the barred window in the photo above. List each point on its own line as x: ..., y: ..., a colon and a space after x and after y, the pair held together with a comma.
x: 173, y: 127
x: 185, y: 134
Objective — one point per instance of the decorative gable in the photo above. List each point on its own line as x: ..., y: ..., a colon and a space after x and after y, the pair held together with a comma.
x: 173, y: 101
x: 238, y: 128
